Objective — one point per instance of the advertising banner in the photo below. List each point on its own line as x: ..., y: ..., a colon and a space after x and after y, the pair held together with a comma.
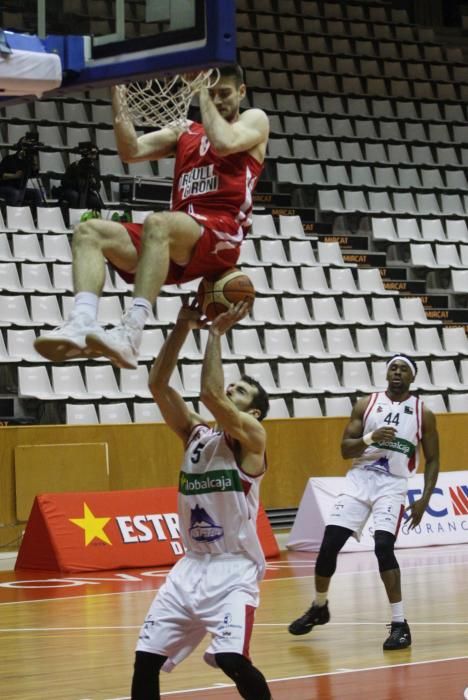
x: 102, y: 530
x: 444, y: 522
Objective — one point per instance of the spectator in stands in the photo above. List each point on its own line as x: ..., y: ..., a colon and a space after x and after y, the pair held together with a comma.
x: 15, y: 171
x: 383, y: 437
x: 81, y: 181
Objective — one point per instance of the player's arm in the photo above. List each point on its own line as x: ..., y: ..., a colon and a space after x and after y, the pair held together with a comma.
x: 133, y: 148
x: 430, y: 446
x: 171, y: 404
x: 352, y: 444
x: 250, y: 130
x: 243, y: 427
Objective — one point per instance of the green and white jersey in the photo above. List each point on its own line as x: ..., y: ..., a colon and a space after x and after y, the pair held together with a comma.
x: 218, y: 502
x: 400, y: 455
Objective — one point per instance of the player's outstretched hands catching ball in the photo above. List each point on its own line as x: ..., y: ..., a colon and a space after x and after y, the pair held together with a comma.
x: 223, y: 322
x: 191, y: 314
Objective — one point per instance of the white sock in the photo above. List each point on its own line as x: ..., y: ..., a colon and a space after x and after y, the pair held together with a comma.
x: 86, y: 303
x: 321, y: 598
x: 139, y: 311
x: 398, y: 614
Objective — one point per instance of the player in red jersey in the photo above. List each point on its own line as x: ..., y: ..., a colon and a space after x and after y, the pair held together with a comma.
x: 217, y: 165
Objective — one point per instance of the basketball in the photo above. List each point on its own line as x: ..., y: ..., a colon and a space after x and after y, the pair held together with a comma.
x: 216, y: 296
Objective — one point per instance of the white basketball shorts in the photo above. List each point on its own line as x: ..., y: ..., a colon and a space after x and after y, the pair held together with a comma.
x: 203, y: 593
x: 367, y: 491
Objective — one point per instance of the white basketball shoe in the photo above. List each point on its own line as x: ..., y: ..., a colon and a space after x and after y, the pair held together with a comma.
x: 67, y: 341
x: 120, y: 344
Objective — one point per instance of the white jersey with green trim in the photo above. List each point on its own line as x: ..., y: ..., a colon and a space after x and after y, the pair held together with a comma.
x: 400, y: 455
x: 218, y: 502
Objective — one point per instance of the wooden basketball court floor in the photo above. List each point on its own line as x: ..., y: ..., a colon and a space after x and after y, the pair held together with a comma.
x: 71, y: 637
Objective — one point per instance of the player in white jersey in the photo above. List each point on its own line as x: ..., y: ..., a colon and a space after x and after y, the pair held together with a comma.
x: 383, y: 436
x: 214, y: 588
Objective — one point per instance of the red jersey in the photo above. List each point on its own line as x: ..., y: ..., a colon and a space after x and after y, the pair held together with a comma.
x: 206, y: 184
x: 217, y: 192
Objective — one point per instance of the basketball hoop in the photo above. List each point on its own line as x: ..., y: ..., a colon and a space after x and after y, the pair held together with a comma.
x: 164, y: 101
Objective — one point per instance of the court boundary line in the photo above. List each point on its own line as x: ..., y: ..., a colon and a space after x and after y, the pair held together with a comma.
x: 98, y: 628
x: 265, y: 580
x: 371, y: 668
x: 312, y: 675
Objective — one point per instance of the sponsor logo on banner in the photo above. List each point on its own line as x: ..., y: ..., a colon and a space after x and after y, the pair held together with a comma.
x: 445, y: 520
x: 130, y: 528
x: 458, y: 504
x: 106, y: 530
x: 445, y: 517
x: 93, y: 526
x: 459, y: 496
x: 154, y: 526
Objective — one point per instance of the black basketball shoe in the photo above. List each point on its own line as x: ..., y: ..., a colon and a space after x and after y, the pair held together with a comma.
x: 315, y: 615
x: 399, y: 637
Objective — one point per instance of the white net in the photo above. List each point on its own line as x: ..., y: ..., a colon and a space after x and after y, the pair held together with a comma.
x: 164, y: 101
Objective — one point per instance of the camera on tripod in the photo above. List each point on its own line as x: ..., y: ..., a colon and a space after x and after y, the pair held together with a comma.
x: 87, y: 169
x: 29, y: 143
x: 28, y: 148
x: 87, y: 163
x: 87, y: 149
x: 81, y: 181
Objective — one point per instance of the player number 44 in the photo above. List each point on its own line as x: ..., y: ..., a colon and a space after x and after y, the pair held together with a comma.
x: 391, y: 419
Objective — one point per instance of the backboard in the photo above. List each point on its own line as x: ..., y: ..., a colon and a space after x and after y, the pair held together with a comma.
x: 138, y: 41
x: 193, y: 34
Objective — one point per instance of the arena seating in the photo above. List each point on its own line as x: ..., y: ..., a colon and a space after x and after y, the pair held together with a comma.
x: 369, y: 137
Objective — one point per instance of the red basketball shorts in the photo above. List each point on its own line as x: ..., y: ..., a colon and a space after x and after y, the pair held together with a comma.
x: 217, y: 250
